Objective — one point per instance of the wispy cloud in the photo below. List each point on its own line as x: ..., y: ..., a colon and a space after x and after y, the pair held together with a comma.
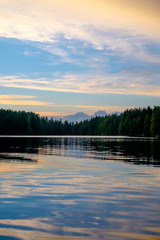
x: 22, y: 79
x: 21, y: 100
x: 118, y: 25
x: 127, y: 83
x: 31, y: 53
x: 50, y: 114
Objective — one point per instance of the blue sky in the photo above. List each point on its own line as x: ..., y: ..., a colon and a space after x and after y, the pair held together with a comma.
x: 60, y: 57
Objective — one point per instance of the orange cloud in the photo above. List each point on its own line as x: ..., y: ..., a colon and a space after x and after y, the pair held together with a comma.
x: 46, y: 20
x: 20, y: 100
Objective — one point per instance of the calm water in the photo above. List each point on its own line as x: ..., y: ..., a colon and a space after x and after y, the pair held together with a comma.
x: 79, y: 188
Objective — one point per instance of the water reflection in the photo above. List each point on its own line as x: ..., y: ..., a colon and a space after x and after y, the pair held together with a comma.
x: 72, y: 193
x: 137, y: 151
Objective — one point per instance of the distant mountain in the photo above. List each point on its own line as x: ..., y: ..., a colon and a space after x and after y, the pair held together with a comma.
x: 81, y: 116
x: 99, y: 114
x: 78, y: 117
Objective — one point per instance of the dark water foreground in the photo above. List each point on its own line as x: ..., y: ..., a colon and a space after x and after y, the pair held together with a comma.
x: 79, y: 188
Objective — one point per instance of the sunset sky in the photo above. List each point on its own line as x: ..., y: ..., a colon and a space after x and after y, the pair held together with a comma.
x: 60, y: 57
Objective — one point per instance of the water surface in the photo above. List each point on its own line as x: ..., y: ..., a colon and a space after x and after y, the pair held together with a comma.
x: 79, y: 188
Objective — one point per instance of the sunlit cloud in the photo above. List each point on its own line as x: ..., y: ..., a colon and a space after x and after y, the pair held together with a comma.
x: 52, y: 113
x: 127, y: 83
x: 117, y: 25
x: 22, y: 79
x: 21, y: 100
x: 108, y: 109
x: 81, y: 46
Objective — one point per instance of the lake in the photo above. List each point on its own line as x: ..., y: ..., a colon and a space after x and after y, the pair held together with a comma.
x: 76, y: 188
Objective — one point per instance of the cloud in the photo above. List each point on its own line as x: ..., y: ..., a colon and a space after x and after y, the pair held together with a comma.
x: 53, y: 113
x: 31, y: 53
x: 108, y: 109
x: 21, y: 100
x: 125, y: 82
x: 119, y: 25
x: 22, y: 78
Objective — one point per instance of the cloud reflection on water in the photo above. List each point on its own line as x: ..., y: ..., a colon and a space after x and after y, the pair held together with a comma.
x: 63, y: 197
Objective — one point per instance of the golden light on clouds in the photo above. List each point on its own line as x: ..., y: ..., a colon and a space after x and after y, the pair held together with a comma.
x: 127, y: 83
x: 44, y: 20
x: 96, y: 47
x: 42, y: 114
x: 20, y: 100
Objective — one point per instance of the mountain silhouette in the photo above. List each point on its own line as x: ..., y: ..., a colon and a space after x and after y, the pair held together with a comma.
x: 81, y: 116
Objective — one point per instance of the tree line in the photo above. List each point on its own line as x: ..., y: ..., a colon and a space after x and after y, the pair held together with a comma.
x: 132, y: 122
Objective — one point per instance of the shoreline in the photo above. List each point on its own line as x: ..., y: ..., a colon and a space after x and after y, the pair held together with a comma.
x: 78, y: 136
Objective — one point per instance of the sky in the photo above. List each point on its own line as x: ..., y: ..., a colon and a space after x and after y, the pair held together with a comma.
x: 59, y: 57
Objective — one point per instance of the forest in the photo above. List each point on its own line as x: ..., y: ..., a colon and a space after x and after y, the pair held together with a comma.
x: 133, y: 122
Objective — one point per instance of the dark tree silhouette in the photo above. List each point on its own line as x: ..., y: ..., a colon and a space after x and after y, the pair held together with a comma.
x: 133, y: 122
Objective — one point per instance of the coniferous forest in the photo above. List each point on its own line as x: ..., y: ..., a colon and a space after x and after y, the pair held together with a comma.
x: 132, y: 122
